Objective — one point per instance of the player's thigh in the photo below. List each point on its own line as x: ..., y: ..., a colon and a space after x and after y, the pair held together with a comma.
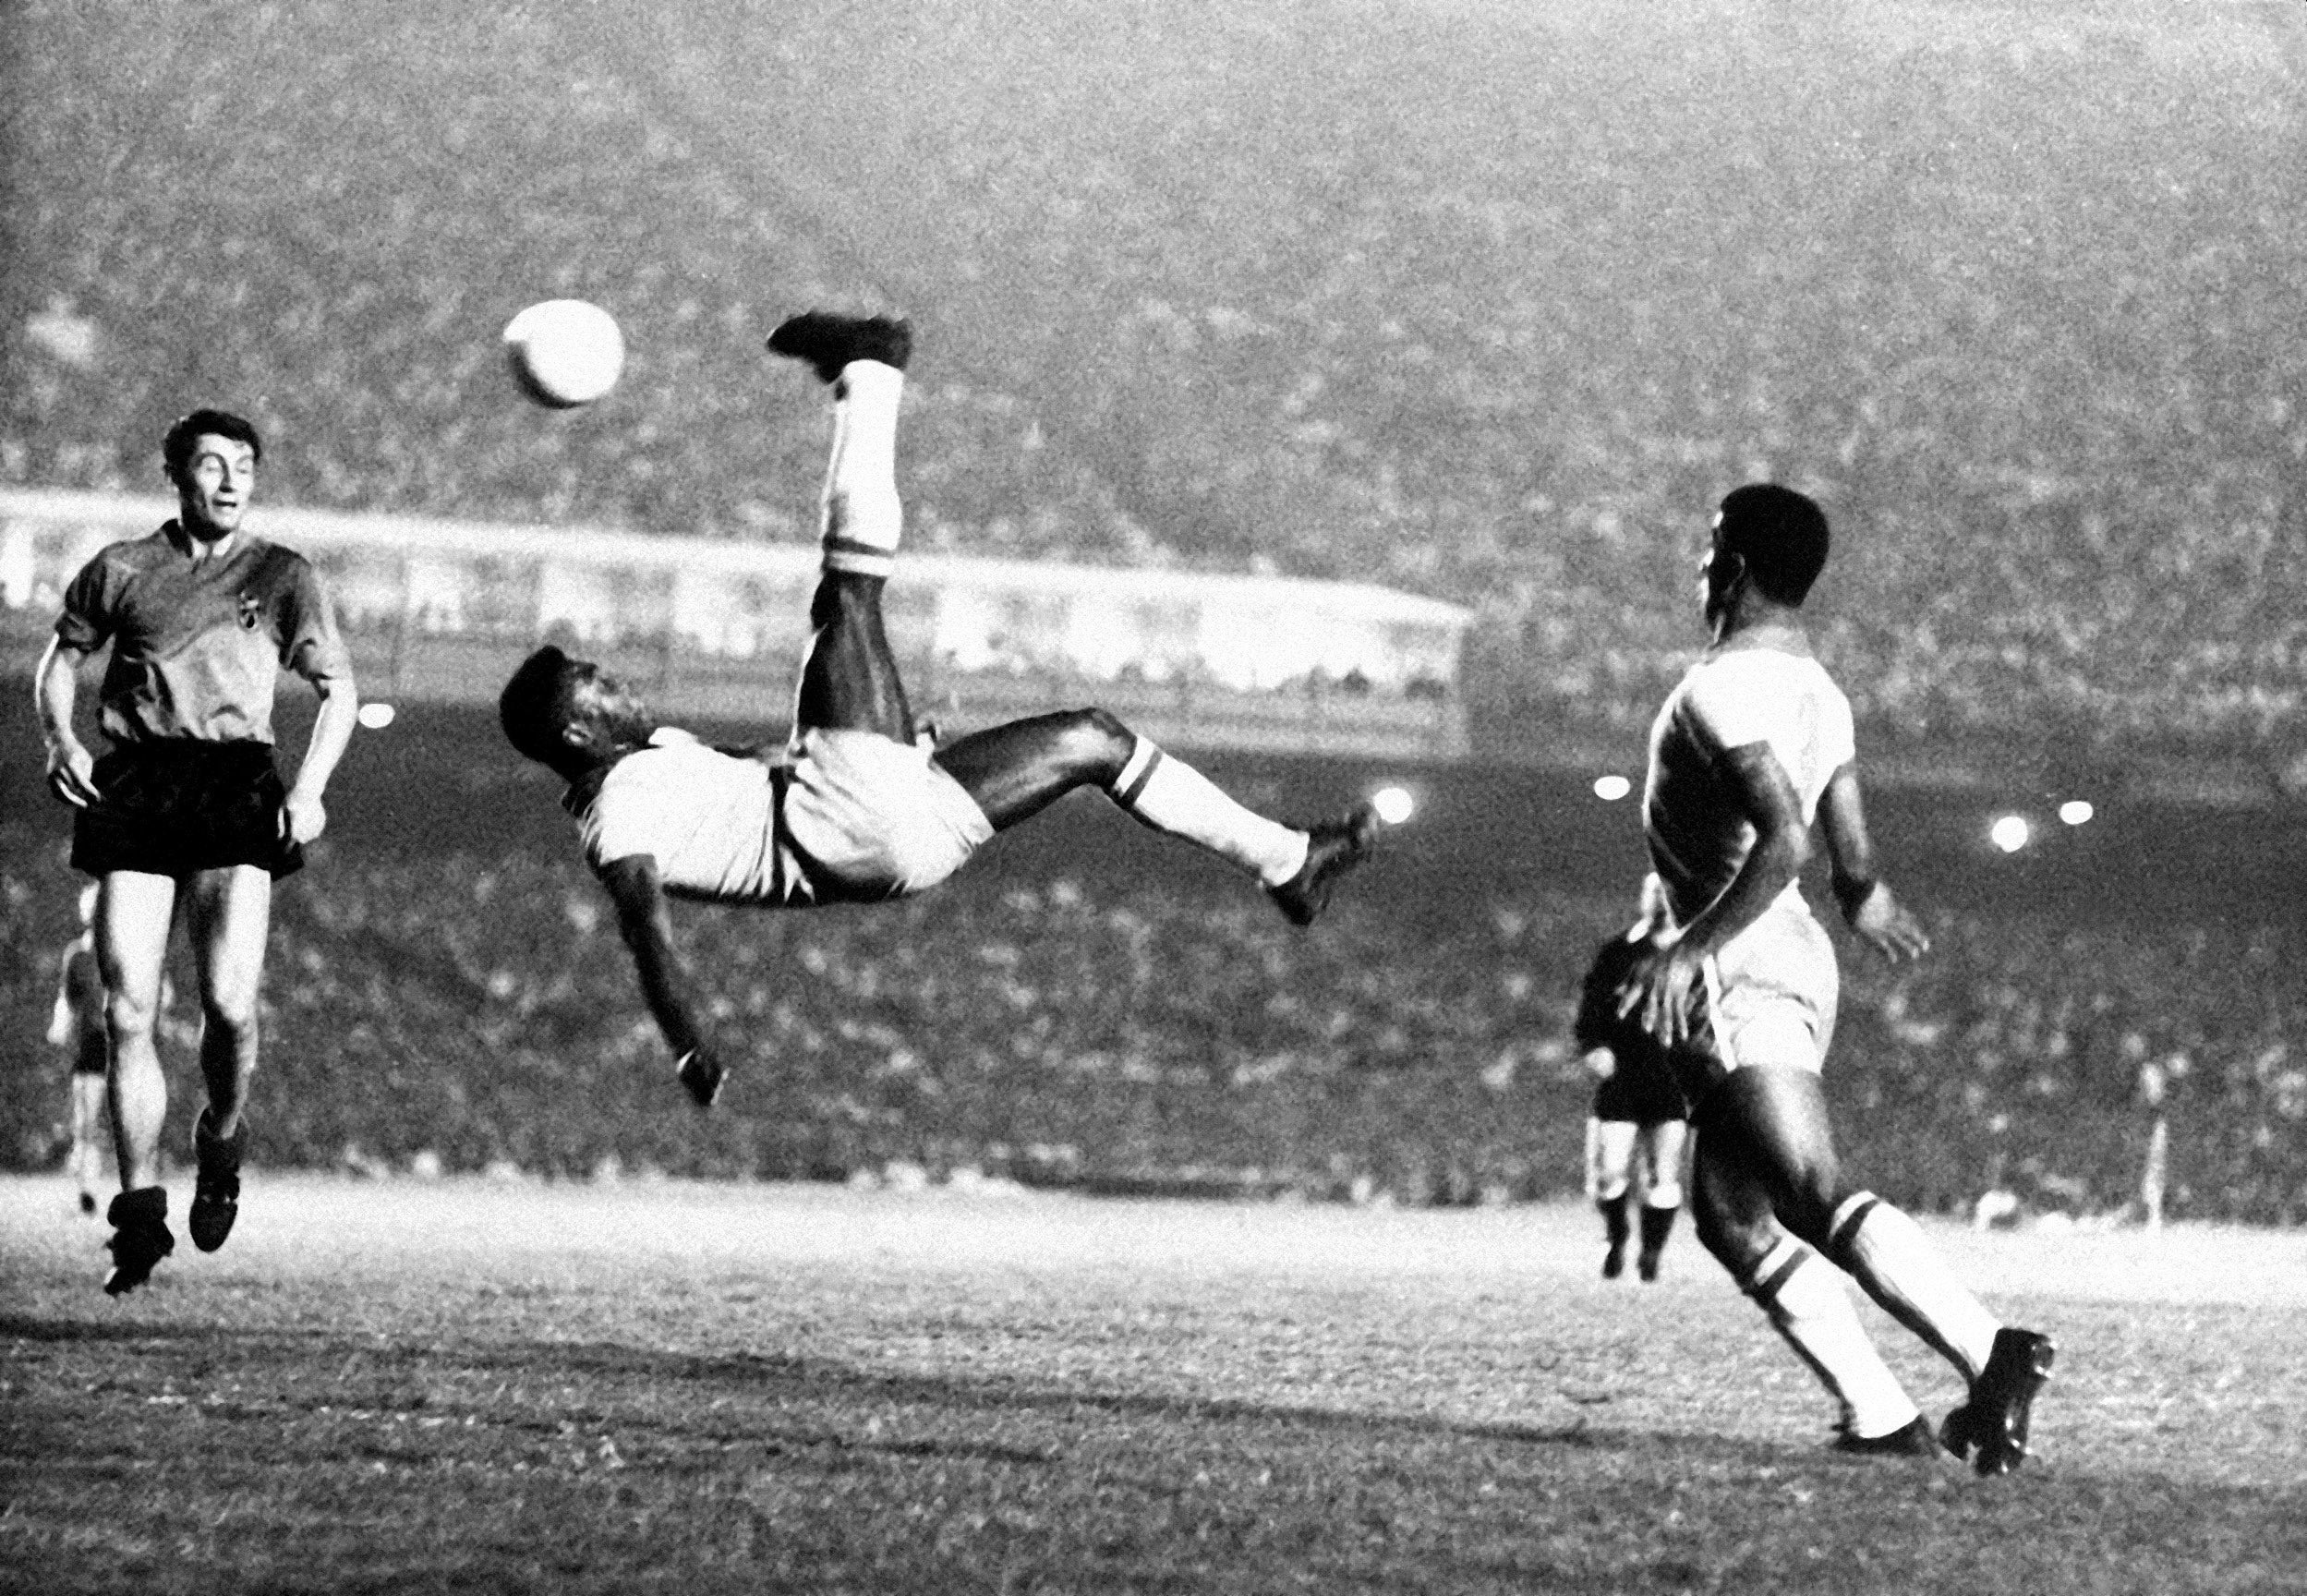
x: 134, y: 914
x: 1016, y: 770
x: 1771, y: 1123
x: 229, y: 915
x: 1662, y: 1148
x: 849, y: 680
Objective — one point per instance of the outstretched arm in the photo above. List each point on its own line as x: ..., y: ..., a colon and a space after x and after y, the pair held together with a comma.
x: 666, y: 984
x: 1765, y: 795
x: 1881, y: 920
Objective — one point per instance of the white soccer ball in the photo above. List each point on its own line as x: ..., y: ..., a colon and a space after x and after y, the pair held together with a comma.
x: 564, y: 353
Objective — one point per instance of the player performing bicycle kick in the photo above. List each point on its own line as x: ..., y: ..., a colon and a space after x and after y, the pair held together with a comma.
x: 853, y: 810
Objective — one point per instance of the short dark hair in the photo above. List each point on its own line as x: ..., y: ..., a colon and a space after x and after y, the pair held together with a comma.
x: 533, y: 705
x: 176, y: 450
x: 1780, y: 534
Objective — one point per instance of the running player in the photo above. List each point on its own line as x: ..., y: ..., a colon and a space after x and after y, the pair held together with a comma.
x: 1752, y: 745
x: 77, y: 1021
x: 185, y: 807
x: 855, y: 810
x: 1639, y: 1118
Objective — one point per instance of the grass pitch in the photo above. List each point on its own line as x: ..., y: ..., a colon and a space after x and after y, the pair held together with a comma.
x: 518, y: 1387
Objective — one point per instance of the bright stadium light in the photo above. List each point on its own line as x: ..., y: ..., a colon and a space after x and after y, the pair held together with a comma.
x: 376, y: 716
x: 2010, y: 833
x: 1394, y: 805
x: 2075, y: 811
x: 1610, y: 788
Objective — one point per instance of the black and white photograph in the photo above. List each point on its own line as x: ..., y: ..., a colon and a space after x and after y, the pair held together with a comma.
x: 1428, y: 796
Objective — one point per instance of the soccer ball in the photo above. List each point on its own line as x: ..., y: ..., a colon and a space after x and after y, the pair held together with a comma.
x: 564, y: 353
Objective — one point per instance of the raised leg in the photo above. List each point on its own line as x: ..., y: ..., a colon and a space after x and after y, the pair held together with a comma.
x: 849, y: 677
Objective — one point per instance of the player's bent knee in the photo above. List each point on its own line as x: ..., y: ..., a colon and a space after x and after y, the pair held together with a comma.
x: 127, y: 1019
x: 231, y: 1021
x: 1094, y: 738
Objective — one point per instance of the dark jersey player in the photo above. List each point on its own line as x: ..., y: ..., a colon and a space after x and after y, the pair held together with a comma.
x: 853, y: 810
x: 1639, y: 1119
x: 186, y: 812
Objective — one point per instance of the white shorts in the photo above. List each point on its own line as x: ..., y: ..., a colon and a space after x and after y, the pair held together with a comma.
x: 1772, y: 994
x: 869, y: 818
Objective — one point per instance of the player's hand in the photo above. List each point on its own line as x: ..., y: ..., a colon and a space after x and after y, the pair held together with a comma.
x: 72, y: 774
x: 303, y: 818
x: 1659, y: 991
x: 1883, y: 924
x: 701, y: 1074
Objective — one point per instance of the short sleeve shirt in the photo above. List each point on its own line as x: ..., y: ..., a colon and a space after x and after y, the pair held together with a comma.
x: 1698, y: 835
x: 198, y: 647
x: 708, y: 817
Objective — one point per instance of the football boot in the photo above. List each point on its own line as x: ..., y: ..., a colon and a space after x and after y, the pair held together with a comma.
x: 216, y: 1189
x: 141, y: 1238
x: 1991, y: 1428
x: 826, y: 341
x: 1332, y: 849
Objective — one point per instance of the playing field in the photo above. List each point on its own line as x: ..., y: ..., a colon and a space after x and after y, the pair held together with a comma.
x: 468, y: 1385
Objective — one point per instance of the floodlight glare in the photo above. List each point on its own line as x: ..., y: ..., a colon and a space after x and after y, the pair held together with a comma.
x: 2010, y: 833
x: 2075, y: 811
x: 1394, y: 805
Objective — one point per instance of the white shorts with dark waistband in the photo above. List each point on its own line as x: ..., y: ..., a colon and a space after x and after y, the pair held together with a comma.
x: 868, y: 818
x: 1772, y: 993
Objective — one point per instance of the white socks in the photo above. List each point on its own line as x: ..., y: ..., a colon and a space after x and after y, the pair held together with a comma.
x: 1171, y: 796
x: 861, y: 514
x: 1806, y: 1304
x: 1888, y: 1255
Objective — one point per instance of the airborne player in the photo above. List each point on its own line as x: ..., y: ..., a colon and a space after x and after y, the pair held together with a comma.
x: 186, y: 812
x: 1752, y: 745
x: 854, y: 810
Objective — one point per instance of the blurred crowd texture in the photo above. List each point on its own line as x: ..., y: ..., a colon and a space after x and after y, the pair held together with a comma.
x: 455, y: 1011
x: 1485, y: 302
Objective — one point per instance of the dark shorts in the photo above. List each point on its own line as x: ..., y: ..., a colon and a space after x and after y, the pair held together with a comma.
x: 92, y: 1056
x: 1641, y: 1092
x: 180, y: 805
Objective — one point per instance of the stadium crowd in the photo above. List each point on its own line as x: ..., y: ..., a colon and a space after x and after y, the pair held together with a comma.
x: 466, y: 1011
x: 1486, y: 306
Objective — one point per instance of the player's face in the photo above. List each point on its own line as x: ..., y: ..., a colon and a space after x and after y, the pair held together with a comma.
x: 212, y: 493
x: 605, y: 703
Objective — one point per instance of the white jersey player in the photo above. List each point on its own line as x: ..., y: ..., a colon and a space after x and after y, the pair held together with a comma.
x: 1749, y: 750
x: 852, y: 809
